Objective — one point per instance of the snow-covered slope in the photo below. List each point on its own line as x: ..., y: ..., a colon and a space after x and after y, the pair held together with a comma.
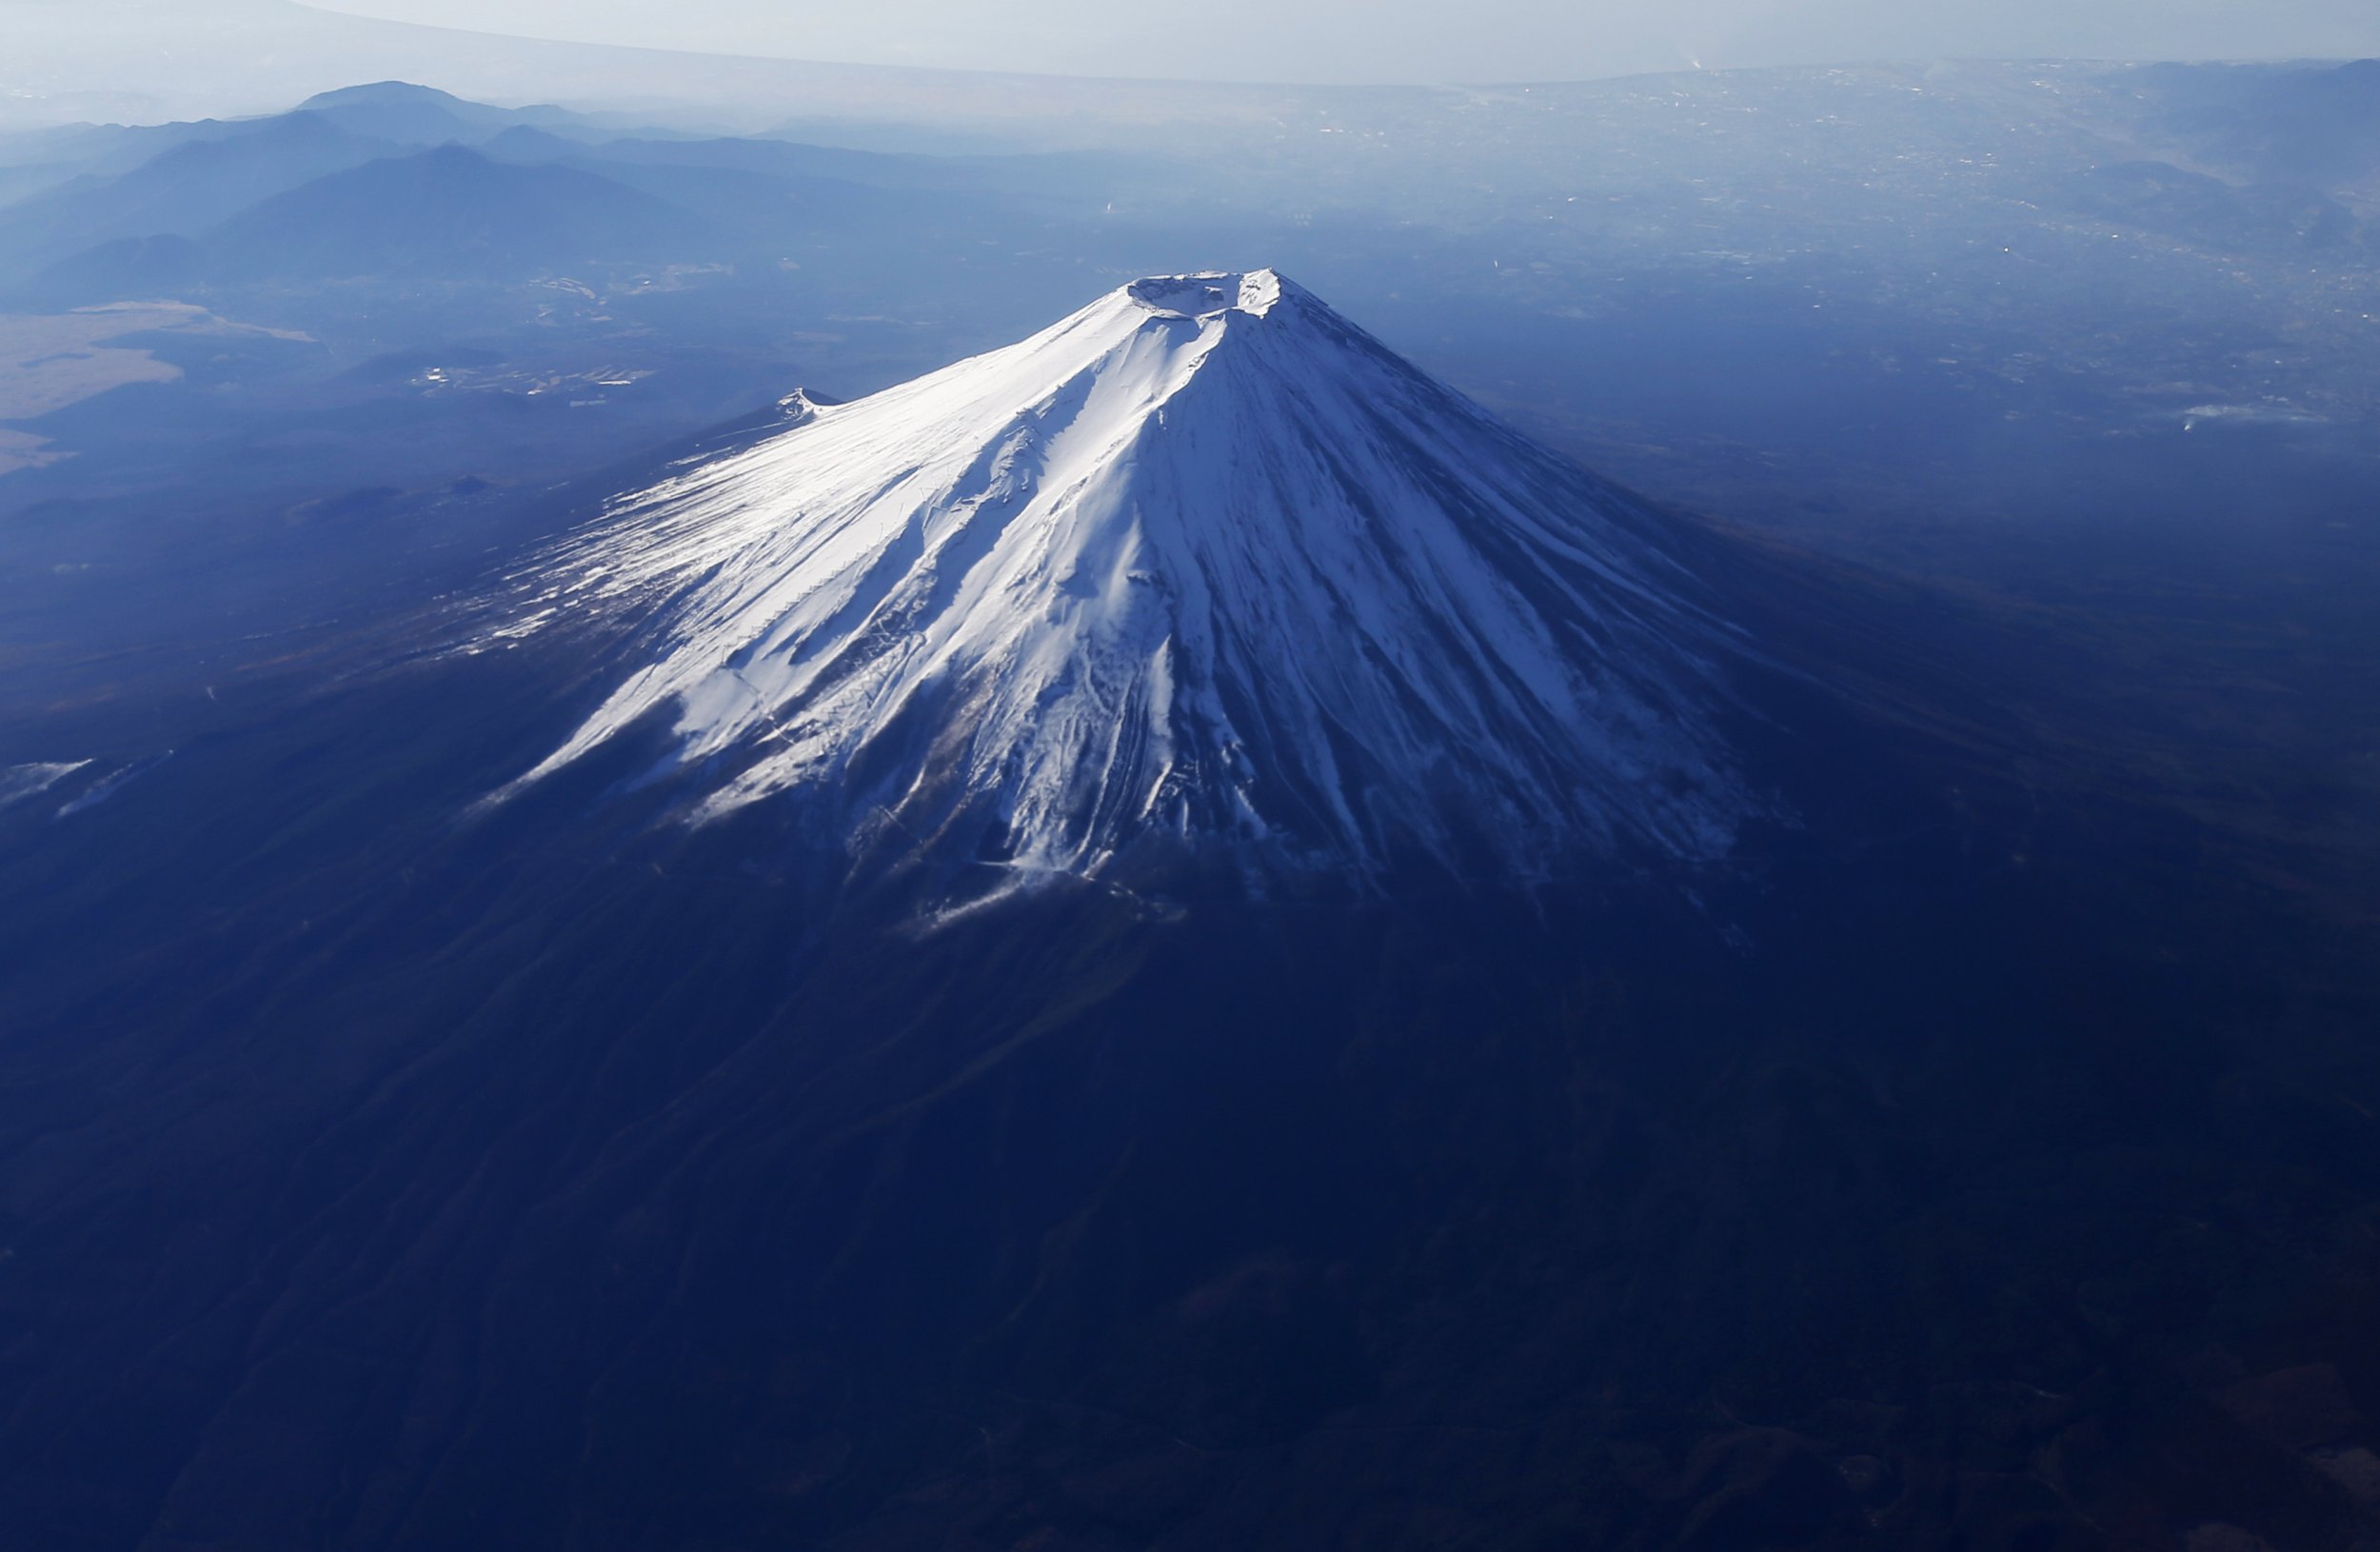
x: 1202, y: 565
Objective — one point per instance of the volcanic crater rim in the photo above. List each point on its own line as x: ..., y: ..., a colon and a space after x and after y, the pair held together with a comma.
x: 1207, y: 293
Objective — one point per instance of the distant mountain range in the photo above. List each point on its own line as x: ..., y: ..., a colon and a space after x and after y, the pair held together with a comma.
x: 448, y: 212
x: 186, y: 189
x: 2310, y: 125
x: 412, y: 183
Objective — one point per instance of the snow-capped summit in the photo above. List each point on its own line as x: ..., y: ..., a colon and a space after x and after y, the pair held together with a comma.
x: 1202, y: 566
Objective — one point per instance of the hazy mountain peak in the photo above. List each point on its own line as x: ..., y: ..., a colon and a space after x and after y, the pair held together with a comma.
x: 384, y: 92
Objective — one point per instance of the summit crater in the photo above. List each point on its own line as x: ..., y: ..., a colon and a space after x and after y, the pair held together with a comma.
x: 1207, y: 294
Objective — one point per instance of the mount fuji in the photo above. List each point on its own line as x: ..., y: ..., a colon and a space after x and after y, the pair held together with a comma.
x: 1822, y: 1030
x: 1201, y: 569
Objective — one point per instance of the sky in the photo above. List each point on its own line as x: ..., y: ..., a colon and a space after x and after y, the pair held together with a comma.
x: 1394, y: 41
x: 147, y: 61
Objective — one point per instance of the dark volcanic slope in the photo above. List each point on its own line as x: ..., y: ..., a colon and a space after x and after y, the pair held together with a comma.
x: 374, y: 1184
